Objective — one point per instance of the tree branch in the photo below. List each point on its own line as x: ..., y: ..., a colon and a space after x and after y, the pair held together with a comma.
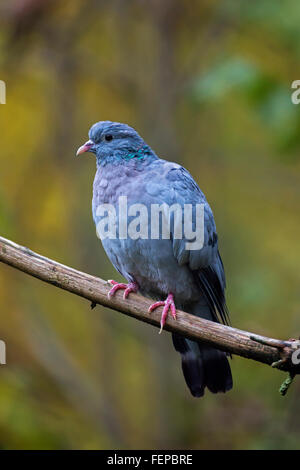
x: 259, y: 348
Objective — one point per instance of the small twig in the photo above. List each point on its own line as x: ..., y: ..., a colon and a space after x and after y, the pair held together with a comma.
x: 286, y: 384
x: 276, y: 343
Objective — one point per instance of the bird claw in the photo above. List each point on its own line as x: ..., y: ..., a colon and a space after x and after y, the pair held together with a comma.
x: 131, y: 287
x: 168, y: 304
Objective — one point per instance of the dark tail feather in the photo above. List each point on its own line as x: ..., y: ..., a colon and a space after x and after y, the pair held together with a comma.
x: 203, y: 366
x: 217, y: 370
x: 192, y: 366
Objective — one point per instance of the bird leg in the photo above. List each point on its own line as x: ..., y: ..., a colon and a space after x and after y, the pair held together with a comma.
x: 131, y: 287
x: 168, y: 304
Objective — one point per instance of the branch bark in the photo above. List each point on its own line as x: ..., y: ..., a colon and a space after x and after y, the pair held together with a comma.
x: 270, y: 351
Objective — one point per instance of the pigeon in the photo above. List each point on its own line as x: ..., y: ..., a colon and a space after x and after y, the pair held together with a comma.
x: 163, y: 268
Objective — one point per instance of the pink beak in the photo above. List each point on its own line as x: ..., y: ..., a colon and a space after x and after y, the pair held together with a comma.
x: 85, y: 147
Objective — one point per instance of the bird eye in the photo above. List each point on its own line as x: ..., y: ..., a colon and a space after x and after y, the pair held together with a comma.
x: 108, y: 137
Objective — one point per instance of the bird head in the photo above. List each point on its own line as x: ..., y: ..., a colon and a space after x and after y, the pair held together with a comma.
x: 114, y: 140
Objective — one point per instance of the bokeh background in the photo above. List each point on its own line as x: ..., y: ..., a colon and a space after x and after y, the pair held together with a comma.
x: 207, y: 84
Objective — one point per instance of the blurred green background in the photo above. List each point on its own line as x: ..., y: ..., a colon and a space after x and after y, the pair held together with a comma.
x: 207, y: 84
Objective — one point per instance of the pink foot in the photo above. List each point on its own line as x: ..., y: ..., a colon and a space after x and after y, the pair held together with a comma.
x: 168, y: 304
x: 131, y: 287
